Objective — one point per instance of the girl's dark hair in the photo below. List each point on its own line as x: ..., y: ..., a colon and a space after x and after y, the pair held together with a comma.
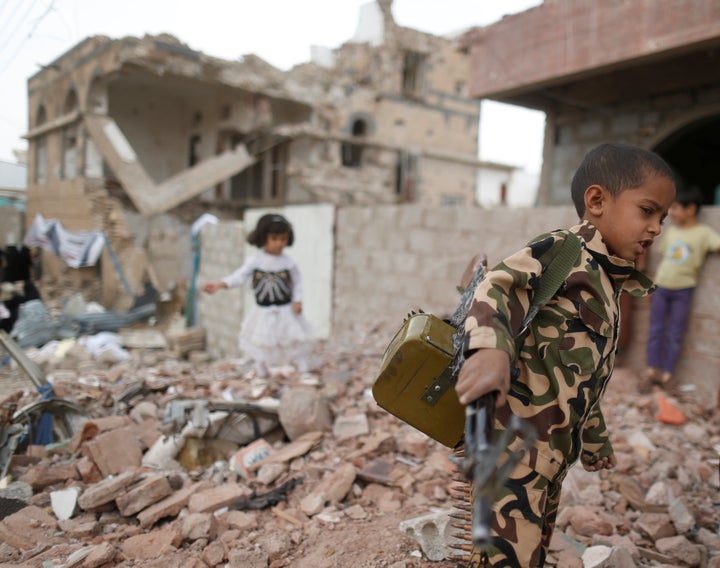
x: 616, y: 167
x: 270, y: 223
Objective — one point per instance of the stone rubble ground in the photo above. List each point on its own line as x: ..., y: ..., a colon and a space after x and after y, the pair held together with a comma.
x: 351, y: 472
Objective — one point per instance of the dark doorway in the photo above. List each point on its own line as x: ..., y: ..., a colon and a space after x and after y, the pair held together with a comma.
x: 693, y: 152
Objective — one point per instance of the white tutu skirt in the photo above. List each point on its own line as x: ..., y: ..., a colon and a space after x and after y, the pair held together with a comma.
x: 274, y: 335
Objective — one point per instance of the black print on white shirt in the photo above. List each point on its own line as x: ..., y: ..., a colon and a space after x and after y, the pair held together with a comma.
x: 272, y: 288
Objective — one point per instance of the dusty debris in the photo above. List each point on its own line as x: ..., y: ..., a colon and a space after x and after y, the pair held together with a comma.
x: 95, y: 497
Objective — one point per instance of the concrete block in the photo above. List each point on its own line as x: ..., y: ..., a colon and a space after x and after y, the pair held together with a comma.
x: 350, y: 426
x: 433, y: 532
x: 171, y: 505
x: 107, y: 489
x: 607, y: 557
x: 42, y: 476
x: 443, y: 219
x: 410, y: 216
x: 421, y: 240
x: 406, y: 263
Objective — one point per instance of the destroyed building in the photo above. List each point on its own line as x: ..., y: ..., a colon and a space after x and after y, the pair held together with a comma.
x: 136, y: 137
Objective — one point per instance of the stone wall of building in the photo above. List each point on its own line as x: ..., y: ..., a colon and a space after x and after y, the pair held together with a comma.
x: 646, y: 125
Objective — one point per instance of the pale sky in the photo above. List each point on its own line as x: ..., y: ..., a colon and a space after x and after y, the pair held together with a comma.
x: 35, y: 32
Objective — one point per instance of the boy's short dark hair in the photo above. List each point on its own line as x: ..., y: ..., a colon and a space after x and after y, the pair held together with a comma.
x: 616, y: 167
x: 692, y: 195
x: 267, y: 224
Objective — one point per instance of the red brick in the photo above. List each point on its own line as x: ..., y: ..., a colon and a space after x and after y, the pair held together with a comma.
x: 144, y: 494
x: 27, y: 528
x: 107, y: 489
x: 115, y: 451
x: 216, y: 498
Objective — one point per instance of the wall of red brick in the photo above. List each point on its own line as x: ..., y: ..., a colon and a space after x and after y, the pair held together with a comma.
x: 566, y: 37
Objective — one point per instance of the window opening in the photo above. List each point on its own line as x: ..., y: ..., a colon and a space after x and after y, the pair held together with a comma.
x: 194, y: 150
x: 69, y: 143
x: 406, y: 171
x: 266, y: 179
x: 351, y: 154
x: 68, y: 169
x: 41, y: 157
x: 412, y: 75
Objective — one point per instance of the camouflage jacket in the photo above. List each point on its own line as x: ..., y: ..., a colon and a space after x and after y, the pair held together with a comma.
x: 567, y: 356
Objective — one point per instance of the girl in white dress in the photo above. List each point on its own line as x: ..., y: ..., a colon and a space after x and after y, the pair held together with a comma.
x: 275, y: 331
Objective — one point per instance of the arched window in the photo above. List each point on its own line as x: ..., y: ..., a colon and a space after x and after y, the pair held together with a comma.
x: 97, y: 101
x: 71, y: 102
x: 352, y: 153
x: 41, y: 156
x: 70, y: 138
x: 41, y: 116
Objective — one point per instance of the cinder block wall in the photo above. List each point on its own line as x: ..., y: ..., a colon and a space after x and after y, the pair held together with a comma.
x: 393, y: 259
x: 222, y: 249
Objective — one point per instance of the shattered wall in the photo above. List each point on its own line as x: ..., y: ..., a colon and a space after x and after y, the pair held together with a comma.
x: 124, y: 132
x: 401, y: 132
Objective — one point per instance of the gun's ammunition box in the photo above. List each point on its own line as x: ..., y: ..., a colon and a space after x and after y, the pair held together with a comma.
x: 414, y: 379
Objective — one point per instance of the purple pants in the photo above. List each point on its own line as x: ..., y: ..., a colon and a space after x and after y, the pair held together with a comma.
x: 669, y: 312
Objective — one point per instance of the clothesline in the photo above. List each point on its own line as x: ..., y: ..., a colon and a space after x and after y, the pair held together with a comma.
x: 76, y: 248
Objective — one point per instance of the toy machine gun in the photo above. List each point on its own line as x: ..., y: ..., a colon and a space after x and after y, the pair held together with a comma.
x: 479, y: 465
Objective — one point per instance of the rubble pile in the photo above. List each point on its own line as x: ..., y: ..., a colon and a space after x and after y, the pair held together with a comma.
x: 184, y: 461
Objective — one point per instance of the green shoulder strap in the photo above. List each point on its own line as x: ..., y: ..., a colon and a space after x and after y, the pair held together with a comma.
x: 553, y: 276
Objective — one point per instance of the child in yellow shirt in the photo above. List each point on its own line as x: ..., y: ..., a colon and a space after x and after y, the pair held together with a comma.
x: 685, y: 245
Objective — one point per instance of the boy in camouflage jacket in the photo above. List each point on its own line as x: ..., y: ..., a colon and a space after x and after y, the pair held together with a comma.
x: 622, y: 195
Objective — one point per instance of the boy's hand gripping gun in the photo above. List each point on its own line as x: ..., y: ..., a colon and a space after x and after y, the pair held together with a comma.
x: 481, y: 462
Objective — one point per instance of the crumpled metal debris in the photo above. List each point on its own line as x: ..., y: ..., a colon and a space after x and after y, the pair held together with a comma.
x: 36, y: 326
x: 269, y: 499
x: 47, y: 420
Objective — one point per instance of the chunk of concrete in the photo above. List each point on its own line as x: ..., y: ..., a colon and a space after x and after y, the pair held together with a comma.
x: 434, y: 533
x: 64, y: 502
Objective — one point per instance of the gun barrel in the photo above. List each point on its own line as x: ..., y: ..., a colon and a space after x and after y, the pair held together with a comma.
x: 479, y: 419
x: 481, y: 534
